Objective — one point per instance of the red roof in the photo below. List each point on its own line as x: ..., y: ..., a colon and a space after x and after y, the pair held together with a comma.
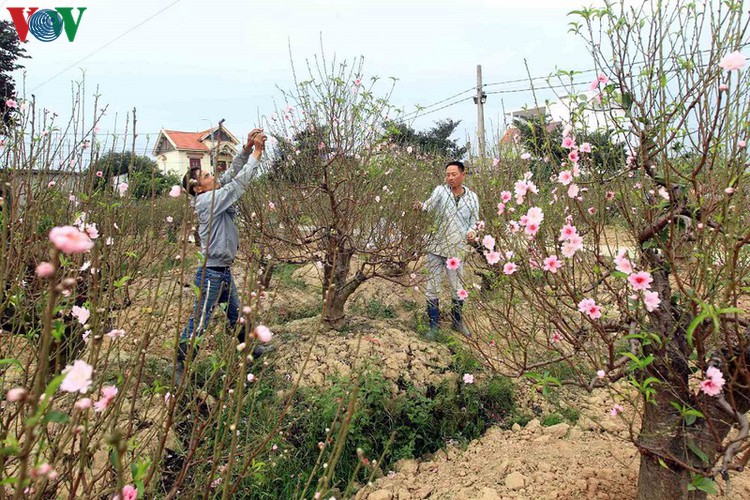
x: 187, y: 140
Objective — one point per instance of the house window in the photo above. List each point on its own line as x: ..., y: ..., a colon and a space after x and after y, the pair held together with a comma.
x: 195, y: 163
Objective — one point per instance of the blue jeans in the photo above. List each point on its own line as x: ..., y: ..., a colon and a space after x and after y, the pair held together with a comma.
x: 217, y: 287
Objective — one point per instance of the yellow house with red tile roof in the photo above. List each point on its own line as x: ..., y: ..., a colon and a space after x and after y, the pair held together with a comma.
x: 177, y: 151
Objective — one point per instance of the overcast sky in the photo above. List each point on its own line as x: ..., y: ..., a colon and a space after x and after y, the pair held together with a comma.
x: 199, y: 61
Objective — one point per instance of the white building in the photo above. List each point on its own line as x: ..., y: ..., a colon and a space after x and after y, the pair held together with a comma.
x: 592, y: 117
x: 176, y: 152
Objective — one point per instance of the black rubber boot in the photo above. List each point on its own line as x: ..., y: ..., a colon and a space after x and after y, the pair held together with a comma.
x: 182, y: 354
x: 457, y: 320
x: 433, y: 313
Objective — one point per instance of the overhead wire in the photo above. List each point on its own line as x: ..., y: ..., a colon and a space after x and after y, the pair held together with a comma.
x: 175, y: 2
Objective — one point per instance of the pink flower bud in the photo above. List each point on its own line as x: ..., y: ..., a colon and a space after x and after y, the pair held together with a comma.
x: 263, y: 333
x: 17, y: 394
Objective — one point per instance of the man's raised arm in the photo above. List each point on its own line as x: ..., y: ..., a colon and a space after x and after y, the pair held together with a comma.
x: 240, y: 159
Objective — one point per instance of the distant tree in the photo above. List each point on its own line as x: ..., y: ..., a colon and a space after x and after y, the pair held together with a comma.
x: 10, y: 52
x: 145, y: 176
x: 298, y: 160
x: 434, y: 141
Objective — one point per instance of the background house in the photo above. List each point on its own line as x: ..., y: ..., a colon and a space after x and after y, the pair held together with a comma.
x: 558, y: 114
x: 177, y: 151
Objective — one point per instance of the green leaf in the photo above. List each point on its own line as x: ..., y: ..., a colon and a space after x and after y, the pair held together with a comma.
x: 10, y: 361
x: 119, y: 283
x: 57, y: 417
x: 703, y: 484
x: 694, y: 324
x: 619, y: 274
x: 627, y: 101
x: 698, y: 452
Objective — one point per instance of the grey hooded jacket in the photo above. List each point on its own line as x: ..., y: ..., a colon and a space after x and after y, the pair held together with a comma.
x: 215, y: 210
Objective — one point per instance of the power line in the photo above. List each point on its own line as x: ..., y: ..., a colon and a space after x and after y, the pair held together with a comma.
x: 106, y: 45
x: 423, y: 108
x: 549, y: 87
x: 420, y: 113
x: 437, y: 109
x: 522, y: 80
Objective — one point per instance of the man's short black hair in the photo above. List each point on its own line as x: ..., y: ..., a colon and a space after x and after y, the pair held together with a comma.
x: 459, y: 164
x: 190, y: 180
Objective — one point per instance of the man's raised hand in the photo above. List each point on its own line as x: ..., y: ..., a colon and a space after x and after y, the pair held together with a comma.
x: 251, y: 139
x: 259, y: 143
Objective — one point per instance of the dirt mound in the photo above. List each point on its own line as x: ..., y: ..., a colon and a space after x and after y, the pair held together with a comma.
x: 593, y: 459
x: 536, y: 462
x: 402, y: 356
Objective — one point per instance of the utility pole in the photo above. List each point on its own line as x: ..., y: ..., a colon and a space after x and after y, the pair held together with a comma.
x: 479, y: 100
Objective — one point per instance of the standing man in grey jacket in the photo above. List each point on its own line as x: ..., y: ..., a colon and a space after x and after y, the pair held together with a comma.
x: 214, y: 208
x: 456, y: 210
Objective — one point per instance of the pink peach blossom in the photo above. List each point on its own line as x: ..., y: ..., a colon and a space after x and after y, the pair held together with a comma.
x: 567, y: 232
x: 45, y: 270
x: 108, y: 395
x: 453, y: 263
x: 492, y: 257
x: 16, y: 394
x: 622, y: 263
x: 714, y: 381
x: 70, y: 240
x: 81, y: 314
x: 552, y: 264
x: 176, y: 191
x: 488, y: 242
x: 83, y: 404
x: 510, y: 268
x: 589, y: 308
x: 115, y: 333
x: 129, y: 492
x: 641, y: 280
x: 463, y: 294
x: 732, y: 61
x: 565, y: 177
x: 535, y: 215
x: 568, y: 249
x: 263, y: 333
x: 651, y: 300
x: 77, y: 377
